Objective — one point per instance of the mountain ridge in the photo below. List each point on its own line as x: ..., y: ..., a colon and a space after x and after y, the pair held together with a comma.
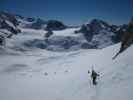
x: 97, y: 33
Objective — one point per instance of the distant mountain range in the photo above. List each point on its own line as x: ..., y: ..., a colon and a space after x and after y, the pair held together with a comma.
x: 97, y: 33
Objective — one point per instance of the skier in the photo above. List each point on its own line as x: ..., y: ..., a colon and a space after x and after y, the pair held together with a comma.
x: 94, y: 76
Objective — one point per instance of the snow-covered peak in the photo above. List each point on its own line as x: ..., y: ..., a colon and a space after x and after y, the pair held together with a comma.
x: 8, y: 25
x: 98, y: 33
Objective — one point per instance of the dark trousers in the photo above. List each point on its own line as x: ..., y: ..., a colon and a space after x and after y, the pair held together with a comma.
x: 94, y: 81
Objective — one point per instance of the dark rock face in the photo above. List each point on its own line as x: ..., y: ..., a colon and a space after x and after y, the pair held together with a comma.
x: 48, y: 34
x: 127, y: 38
x: 9, y: 17
x: 28, y: 22
x: 98, y: 28
x: 55, y: 25
x: 2, y: 40
x: 97, y: 25
x: 93, y: 28
x: 98, y: 32
x: 85, y: 29
x: 38, y: 24
x: 8, y: 26
x: 30, y: 19
x: 5, y: 25
x: 9, y: 22
x: 119, y: 32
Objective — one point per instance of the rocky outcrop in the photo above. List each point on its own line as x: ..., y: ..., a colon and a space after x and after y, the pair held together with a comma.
x: 55, y: 25
x: 127, y: 38
x: 8, y: 26
x: 98, y: 33
x: 8, y: 22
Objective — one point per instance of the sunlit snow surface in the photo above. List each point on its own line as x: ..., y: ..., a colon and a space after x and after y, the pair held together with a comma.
x: 35, y: 74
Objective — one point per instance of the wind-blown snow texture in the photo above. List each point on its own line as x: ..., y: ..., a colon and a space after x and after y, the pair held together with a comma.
x: 35, y: 74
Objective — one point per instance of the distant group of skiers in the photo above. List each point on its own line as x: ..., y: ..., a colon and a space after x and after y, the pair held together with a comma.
x: 93, y: 76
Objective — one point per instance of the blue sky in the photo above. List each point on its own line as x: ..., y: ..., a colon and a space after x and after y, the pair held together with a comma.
x: 72, y: 12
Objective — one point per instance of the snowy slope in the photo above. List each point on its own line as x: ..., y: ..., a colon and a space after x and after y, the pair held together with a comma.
x: 37, y: 74
x: 117, y: 80
x: 64, y: 40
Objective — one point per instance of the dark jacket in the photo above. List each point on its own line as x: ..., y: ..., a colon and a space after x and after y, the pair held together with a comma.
x: 94, y: 74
